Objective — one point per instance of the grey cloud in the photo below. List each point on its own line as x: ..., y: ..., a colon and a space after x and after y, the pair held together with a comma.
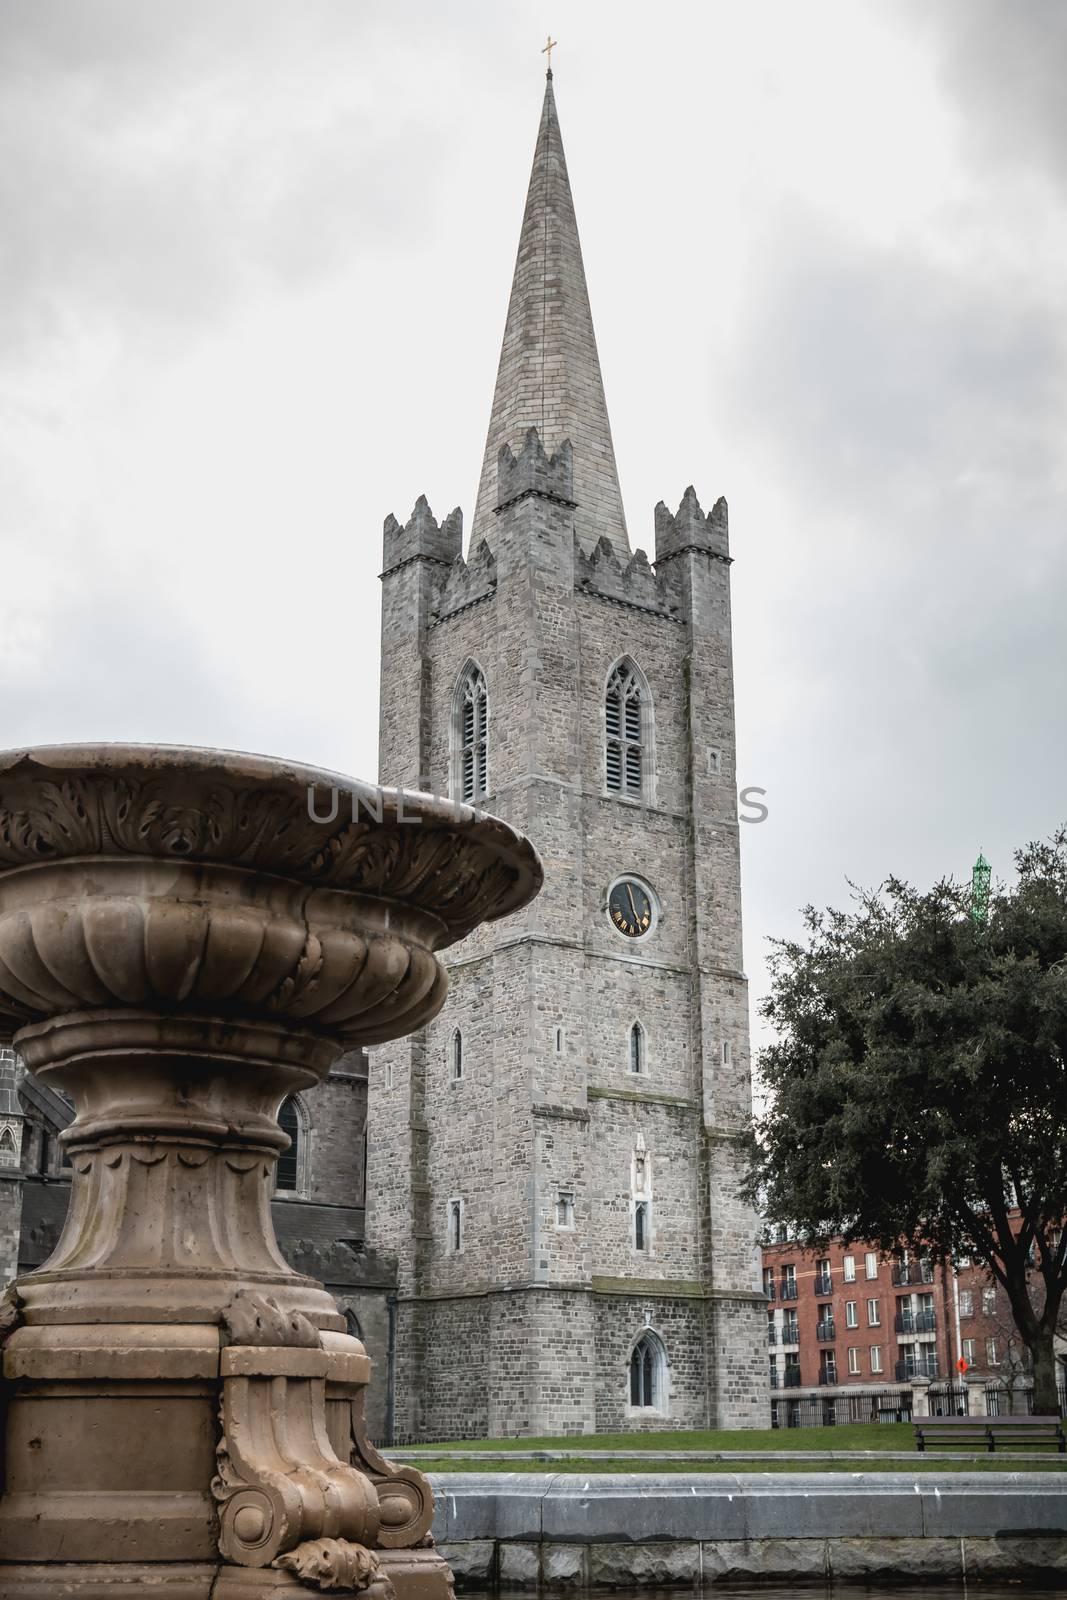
x: 1003, y: 65
x: 150, y: 173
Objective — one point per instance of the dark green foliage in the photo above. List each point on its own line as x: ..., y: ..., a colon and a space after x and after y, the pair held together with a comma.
x: 918, y: 1087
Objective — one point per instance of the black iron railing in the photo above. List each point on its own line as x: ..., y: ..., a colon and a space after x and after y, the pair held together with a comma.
x: 824, y: 1331
x: 915, y: 1322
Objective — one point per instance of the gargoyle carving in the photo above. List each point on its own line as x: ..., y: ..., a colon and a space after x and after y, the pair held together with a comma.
x: 336, y: 1564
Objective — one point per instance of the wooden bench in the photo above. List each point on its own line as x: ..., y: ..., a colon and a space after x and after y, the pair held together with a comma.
x: 985, y: 1433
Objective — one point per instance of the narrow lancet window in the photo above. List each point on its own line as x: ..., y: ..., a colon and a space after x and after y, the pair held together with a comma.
x: 289, y: 1160
x: 457, y: 1055
x: 625, y: 710
x: 472, y: 735
x: 637, y: 1048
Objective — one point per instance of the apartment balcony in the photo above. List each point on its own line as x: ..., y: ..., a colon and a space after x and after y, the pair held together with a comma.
x: 788, y: 1291
x: 774, y: 1377
x: 772, y: 1334
x: 909, y: 1272
x: 915, y: 1322
x: 917, y: 1367
x: 824, y: 1331
x: 791, y: 1378
x: 769, y: 1290
x: 827, y: 1375
x: 790, y: 1335
x: 822, y: 1283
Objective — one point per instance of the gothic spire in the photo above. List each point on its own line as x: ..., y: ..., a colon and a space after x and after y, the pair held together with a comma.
x: 549, y: 374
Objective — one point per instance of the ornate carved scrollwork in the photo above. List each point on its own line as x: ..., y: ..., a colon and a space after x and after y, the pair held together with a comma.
x: 278, y: 1482
x: 404, y: 1494
x: 336, y: 1564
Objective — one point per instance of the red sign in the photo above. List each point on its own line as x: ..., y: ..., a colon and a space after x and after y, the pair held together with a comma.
x: 961, y: 1365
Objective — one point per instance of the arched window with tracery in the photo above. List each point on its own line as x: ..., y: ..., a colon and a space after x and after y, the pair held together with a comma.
x: 637, y: 1048
x: 627, y: 709
x: 470, y: 735
x: 648, y: 1373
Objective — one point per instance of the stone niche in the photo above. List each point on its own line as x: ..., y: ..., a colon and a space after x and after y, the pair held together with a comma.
x: 183, y: 944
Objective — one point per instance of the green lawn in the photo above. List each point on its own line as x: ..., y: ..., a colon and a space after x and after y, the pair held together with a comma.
x: 514, y: 1455
x: 920, y: 1463
x: 852, y: 1436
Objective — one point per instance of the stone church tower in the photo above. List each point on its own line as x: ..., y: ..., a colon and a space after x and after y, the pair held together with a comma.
x: 551, y: 1161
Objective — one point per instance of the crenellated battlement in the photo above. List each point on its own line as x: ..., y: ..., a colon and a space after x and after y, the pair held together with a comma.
x: 532, y: 472
x: 466, y: 582
x: 690, y: 529
x: 421, y: 536
x: 634, y: 583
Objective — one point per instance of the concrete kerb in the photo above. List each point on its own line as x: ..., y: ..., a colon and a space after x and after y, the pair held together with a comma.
x: 558, y: 1531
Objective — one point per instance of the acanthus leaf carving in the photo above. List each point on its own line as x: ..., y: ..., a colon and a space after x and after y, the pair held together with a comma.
x: 336, y: 1564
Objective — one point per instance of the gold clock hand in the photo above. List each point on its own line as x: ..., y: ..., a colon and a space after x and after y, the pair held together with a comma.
x: 633, y: 908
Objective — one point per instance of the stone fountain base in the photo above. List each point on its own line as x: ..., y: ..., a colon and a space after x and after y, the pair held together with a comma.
x: 182, y: 946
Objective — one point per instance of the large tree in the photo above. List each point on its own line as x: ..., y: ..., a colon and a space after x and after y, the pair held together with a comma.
x: 918, y: 1083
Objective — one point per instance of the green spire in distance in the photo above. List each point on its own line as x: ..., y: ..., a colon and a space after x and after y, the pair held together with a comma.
x: 980, y: 874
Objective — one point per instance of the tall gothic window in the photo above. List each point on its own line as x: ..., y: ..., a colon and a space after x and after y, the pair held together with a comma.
x: 641, y: 1225
x: 457, y: 1055
x: 289, y: 1160
x: 470, y: 731
x: 637, y: 1048
x: 626, y: 707
x: 648, y: 1372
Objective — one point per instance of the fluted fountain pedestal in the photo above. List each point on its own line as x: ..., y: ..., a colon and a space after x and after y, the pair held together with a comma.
x: 182, y: 946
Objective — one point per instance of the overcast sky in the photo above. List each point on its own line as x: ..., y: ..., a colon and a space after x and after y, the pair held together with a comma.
x: 254, y: 264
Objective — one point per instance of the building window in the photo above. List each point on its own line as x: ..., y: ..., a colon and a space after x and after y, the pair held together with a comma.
x: 968, y: 1351
x: 726, y: 1053
x: 870, y: 1262
x: 470, y: 736
x: 768, y: 1282
x: 851, y: 1314
x: 848, y: 1269
x: 966, y: 1302
x: 641, y: 1225
x: 873, y: 1314
x: 352, y: 1326
x: 827, y: 1366
x: 991, y: 1352
x: 648, y: 1373
x: 626, y: 705
x: 853, y: 1358
x: 8, y: 1147
x: 789, y: 1281
x: 876, y: 1358
x: 457, y: 1055
x: 989, y: 1302
x: 455, y: 1227
x: 289, y: 1162
x: 559, y: 1041
x: 564, y: 1210
x: 790, y: 1327
x: 637, y: 1048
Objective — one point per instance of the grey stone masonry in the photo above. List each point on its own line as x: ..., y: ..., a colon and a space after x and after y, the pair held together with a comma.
x: 554, y: 1162
x: 12, y: 1120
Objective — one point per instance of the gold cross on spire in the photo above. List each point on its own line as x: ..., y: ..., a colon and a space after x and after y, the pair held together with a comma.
x: 548, y: 49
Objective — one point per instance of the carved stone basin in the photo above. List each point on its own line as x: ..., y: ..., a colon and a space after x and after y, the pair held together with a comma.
x: 187, y: 937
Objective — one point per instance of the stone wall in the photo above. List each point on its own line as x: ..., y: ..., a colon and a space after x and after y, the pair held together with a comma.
x: 570, y: 1531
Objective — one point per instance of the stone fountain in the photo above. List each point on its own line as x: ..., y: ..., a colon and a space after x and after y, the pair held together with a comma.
x: 183, y: 944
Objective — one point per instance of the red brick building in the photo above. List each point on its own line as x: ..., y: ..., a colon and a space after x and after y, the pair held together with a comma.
x: 847, y: 1324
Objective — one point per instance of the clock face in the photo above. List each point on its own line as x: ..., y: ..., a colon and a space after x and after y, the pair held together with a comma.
x: 630, y: 908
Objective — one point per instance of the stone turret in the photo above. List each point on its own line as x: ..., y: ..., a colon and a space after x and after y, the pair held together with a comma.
x: 689, y: 529
x: 422, y: 536
x: 531, y: 471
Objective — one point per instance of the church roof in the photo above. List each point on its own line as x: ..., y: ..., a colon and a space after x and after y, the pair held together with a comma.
x: 549, y: 375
